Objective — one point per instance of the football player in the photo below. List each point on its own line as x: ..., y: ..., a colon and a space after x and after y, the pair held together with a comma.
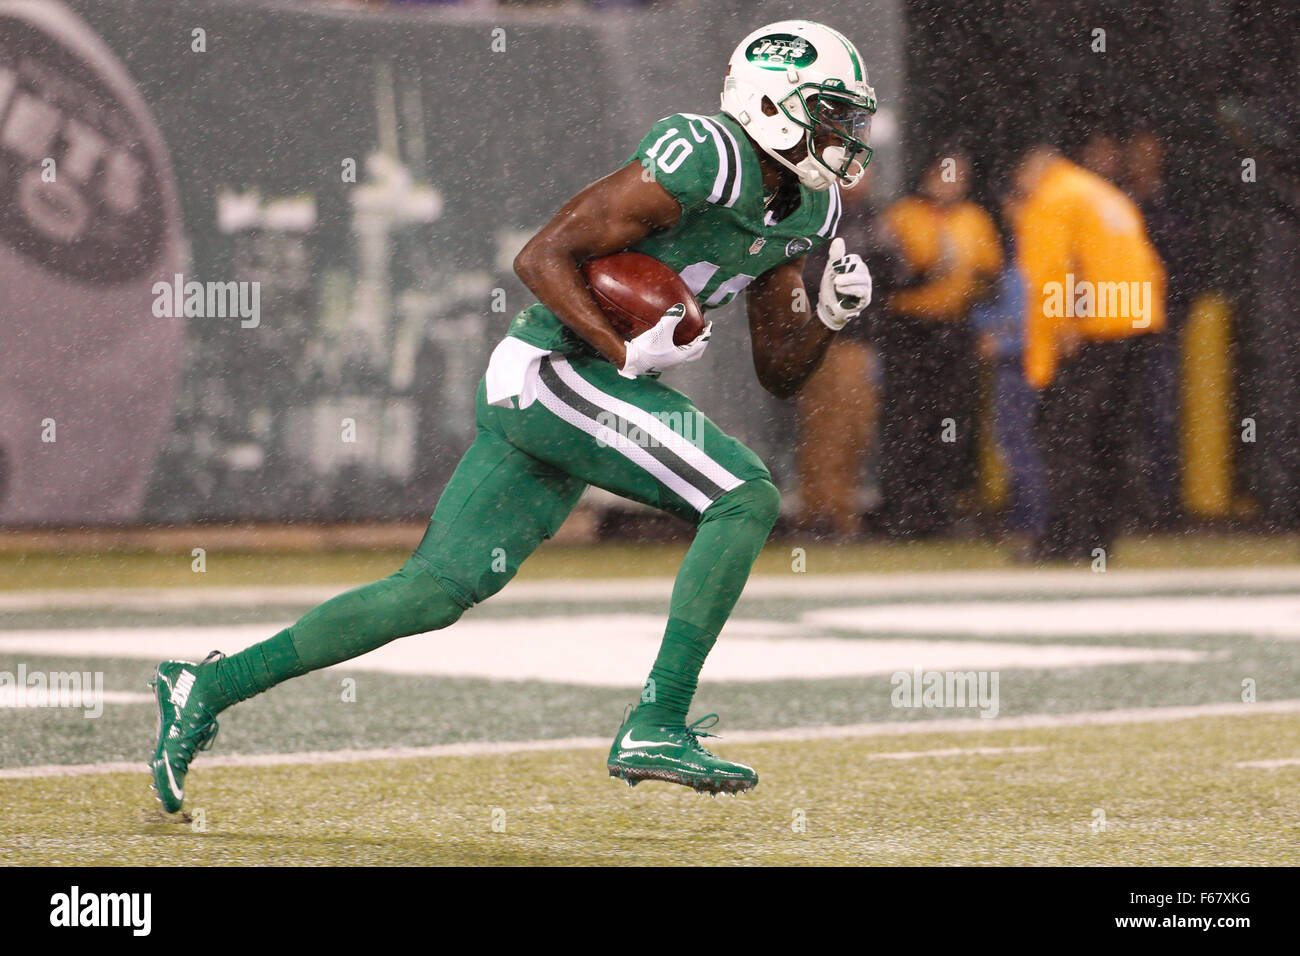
x: 732, y: 202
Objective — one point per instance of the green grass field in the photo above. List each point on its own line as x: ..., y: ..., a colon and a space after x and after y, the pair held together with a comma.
x: 1171, y: 794
x: 1044, y: 782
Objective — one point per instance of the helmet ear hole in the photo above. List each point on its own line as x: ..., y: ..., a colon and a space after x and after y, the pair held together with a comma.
x: 769, y: 108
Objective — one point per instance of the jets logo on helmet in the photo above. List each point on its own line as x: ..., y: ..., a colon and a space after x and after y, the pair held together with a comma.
x: 777, y: 51
x: 815, y: 89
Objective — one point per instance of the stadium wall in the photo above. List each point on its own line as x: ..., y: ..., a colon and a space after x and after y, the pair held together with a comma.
x: 342, y: 325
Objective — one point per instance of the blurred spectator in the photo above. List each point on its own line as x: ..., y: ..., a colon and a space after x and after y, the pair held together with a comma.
x: 1095, y: 287
x: 1000, y: 325
x: 949, y: 250
x: 1103, y: 154
x: 1175, y: 241
x: 837, y: 407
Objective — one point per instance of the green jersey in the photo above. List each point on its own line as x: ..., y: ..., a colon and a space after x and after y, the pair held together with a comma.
x: 725, y: 237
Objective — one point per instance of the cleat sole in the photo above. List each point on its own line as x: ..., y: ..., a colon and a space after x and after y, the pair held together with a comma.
x: 714, y: 786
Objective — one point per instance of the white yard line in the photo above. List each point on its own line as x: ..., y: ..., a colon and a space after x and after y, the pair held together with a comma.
x: 28, y: 697
x: 607, y: 650
x: 603, y: 591
x: 1270, y: 764
x: 1182, y: 615
x: 1089, y: 718
x: 879, y: 729
x: 954, y: 752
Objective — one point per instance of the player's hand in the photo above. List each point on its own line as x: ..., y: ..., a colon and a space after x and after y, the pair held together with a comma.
x: 654, y: 351
x: 845, y: 290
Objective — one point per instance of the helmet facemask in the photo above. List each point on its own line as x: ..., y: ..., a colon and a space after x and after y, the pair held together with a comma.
x: 827, y: 110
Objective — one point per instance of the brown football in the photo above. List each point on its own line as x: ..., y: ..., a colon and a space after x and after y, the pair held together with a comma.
x: 635, y: 290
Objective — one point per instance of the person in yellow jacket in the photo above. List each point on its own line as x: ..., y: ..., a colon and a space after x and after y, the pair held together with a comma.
x: 1095, y: 291
x: 949, y: 254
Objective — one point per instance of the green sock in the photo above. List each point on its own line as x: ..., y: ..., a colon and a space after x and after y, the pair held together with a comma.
x: 729, y: 537
x: 251, y: 671
x: 667, y: 693
x: 410, y: 601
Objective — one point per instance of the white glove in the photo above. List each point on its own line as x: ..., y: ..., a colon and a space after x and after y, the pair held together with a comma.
x: 653, y: 350
x: 845, y: 289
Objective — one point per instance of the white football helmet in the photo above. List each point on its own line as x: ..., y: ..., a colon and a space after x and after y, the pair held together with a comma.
x: 815, y: 78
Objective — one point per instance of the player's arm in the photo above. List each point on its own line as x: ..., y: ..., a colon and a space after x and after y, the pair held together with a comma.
x: 606, y: 217
x: 787, y: 338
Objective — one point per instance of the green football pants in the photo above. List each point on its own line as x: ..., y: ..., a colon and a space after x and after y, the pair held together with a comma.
x: 513, y: 489
x: 526, y: 469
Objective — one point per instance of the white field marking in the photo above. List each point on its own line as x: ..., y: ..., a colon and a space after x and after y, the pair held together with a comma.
x: 603, y: 650
x: 19, y: 698
x: 1087, y: 718
x: 1270, y: 764
x: 946, y: 584
x: 953, y: 752
x: 180, y: 598
x: 1098, y: 718
x: 1268, y: 616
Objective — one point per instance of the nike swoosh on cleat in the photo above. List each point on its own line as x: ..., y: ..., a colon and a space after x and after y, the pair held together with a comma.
x: 171, y: 781
x: 627, y: 743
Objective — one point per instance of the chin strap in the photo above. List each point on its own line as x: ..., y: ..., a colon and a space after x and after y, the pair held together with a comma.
x: 812, y: 173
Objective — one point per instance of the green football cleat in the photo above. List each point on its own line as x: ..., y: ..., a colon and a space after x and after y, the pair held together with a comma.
x: 646, y: 751
x: 185, y: 726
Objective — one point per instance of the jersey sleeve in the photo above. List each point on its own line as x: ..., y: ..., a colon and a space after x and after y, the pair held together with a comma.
x: 695, y: 158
